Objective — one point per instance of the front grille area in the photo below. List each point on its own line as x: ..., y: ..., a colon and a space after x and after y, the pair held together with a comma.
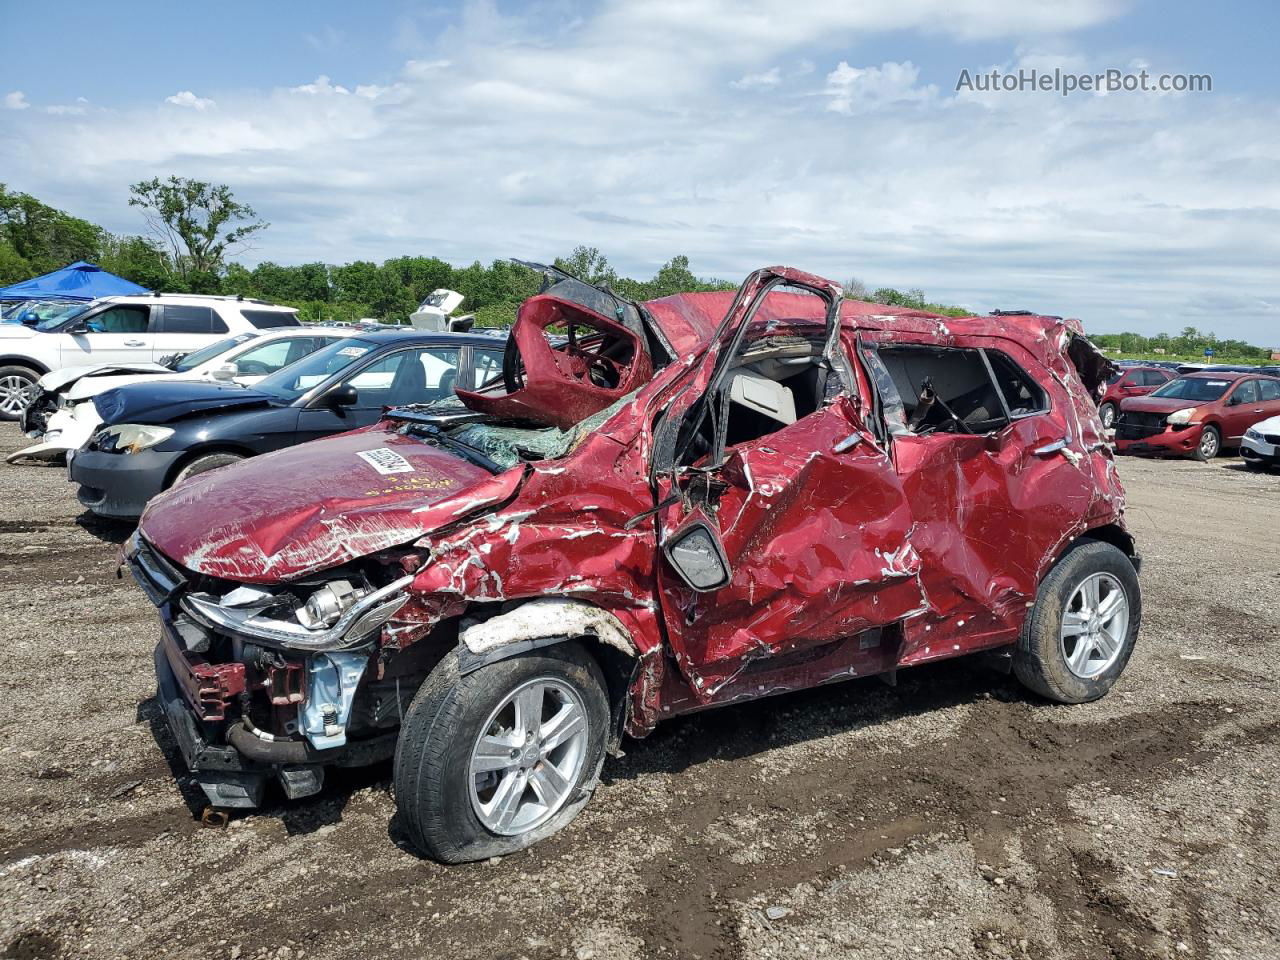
x: 1138, y: 426
x: 1272, y: 438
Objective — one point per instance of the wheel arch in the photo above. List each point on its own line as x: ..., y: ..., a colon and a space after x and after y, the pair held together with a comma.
x: 193, y: 453
x: 548, y: 621
x: 21, y: 361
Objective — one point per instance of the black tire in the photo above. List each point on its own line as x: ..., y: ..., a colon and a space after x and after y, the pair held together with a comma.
x: 1039, y: 661
x: 442, y: 725
x: 8, y: 375
x: 205, y: 463
x: 1107, y: 414
x: 1210, y: 444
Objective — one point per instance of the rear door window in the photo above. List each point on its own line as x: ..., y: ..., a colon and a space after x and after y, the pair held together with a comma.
x: 945, y: 389
x: 182, y: 318
x: 1269, y: 390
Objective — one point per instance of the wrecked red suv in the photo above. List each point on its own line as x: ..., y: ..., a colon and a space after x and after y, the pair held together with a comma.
x: 654, y: 508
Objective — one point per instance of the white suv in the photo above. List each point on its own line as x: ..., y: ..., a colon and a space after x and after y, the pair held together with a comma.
x: 123, y: 330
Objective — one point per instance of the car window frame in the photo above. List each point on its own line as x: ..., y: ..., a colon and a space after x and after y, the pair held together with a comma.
x: 1231, y: 400
x: 879, y: 379
x: 320, y: 389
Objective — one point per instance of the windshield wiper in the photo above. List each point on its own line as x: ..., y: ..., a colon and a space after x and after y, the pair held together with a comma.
x: 433, y: 434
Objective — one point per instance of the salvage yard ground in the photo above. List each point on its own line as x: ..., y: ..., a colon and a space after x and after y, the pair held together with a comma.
x: 951, y: 816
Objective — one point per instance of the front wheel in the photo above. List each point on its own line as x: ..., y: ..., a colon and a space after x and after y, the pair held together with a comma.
x: 203, y: 464
x: 1081, y: 631
x: 1210, y: 444
x: 491, y: 762
x: 1107, y: 412
x: 17, y: 389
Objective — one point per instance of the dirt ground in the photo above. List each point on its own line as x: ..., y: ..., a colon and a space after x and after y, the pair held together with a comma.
x: 951, y: 816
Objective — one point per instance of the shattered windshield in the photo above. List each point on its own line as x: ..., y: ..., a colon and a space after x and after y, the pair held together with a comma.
x: 1190, y: 388
x: 293, y: 381
x: 509, y: 445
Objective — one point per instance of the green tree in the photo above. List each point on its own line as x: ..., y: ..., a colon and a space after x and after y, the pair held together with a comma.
x: 198, y: 223
x: 46, y: 238
x: 137, y: 259
x: 13, y: 266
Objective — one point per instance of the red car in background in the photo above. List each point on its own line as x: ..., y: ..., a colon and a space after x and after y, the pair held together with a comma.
x: 1129, y: 382
x: 1196, y: 414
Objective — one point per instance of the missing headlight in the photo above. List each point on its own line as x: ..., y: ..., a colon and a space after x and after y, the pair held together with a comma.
x: 327, y: 604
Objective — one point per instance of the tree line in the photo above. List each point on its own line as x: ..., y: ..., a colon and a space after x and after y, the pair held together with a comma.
x: 195, y: 228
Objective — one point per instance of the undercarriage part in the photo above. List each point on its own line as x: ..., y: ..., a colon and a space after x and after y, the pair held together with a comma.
x: 214, y: 818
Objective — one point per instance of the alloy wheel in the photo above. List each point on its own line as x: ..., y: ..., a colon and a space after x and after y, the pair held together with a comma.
x: 1095, y: 625
x: 15, y: 394
x: 527, y: 759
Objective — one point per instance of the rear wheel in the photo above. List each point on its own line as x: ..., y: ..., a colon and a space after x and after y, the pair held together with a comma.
x: 17, y: 389
x: 1081, y: 630
x: 1107, y: 412
x: 491, y: 762
x: 1210, y: 444
x: 203, y: 464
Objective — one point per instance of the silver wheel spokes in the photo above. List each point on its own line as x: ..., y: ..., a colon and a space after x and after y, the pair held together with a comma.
x: 1095, y: 625
x: 15, y: 393
x: 528, y: 756
x: 1208, y: 444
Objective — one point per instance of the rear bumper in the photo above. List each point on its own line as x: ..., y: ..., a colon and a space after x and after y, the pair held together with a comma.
x: 1170, y: 443
x: 120, y: 484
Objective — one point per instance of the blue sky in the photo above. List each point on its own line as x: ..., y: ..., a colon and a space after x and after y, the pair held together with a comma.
x: 735, y: 131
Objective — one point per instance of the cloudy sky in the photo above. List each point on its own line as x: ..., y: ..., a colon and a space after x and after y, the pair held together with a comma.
x: 826, y: 134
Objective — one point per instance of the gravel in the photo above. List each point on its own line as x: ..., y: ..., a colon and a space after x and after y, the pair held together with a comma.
x: 951, y: 816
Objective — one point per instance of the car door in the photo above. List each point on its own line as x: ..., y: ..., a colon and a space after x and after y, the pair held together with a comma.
x: 992, y: 495
x: 807, y: 524
x: 1242, y: 409
x: 182, y: 328
x: 418, y: 374
x: 1269, y: 394
x: 117, y: 333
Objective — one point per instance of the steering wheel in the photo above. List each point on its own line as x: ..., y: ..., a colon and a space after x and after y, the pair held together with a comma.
x: 580, y: 359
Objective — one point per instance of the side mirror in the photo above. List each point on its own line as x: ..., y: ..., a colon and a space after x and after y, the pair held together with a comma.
x: 225, y: 372
x: 78, y: 328
x: 696, y: 553
x: 1235, y: 400
x: 344, y: 395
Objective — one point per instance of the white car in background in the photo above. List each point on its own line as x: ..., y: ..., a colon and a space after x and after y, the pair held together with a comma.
x: 62, y: 416
x: 1260, y: 447
x: 123, y: 330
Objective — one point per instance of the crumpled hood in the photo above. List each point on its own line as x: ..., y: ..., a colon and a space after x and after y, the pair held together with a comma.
x: 290, y: 513
x: 57, y: 379
x: 1159, y: 404
x: 163, y: 401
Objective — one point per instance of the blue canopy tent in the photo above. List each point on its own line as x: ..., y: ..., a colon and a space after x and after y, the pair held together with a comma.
x: 78, y: 281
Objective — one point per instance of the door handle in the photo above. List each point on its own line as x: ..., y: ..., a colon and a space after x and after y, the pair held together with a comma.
x: 1054, y: 447
x: 135, y: 343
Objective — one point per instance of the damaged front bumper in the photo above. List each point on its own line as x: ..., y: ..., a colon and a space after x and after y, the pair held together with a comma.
x: 209, y: 702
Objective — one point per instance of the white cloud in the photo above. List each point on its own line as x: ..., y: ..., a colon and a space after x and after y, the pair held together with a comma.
x: 321, y: 86
x: 516, y: 136
x: 769, y: 78
x: 16, y: 100
x: 851, y: 88
x: 185, y: 98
